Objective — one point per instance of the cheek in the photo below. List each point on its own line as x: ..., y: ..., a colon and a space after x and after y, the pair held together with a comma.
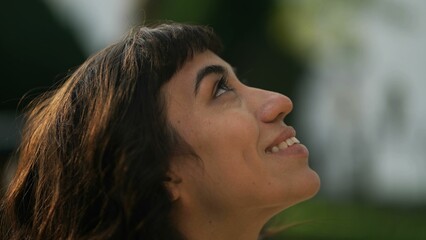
x: 227, y: 147
x: 226, y: 135
x: 223, y: 187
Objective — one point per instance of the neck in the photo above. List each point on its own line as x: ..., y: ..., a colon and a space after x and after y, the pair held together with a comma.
x: 195, y: 224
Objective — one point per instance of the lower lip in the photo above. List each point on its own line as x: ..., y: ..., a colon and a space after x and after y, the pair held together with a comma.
x: 294, y: 151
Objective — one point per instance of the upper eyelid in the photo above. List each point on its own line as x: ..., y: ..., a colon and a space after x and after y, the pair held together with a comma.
x: 222, y: 71
x: 206, y: 71
x: 223, y: 78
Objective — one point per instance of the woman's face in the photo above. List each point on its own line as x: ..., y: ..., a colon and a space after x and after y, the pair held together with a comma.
x: 239, y: 133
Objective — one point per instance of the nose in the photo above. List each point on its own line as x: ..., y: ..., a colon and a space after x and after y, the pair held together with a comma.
x: 271, y: 106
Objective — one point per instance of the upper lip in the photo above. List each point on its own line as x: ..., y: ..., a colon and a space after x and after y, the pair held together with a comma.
x: 288, y: 132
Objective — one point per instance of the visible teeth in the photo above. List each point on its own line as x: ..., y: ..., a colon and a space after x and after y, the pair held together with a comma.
x: 275, y: 149
x: 295, y: 140
x: 283, y: 145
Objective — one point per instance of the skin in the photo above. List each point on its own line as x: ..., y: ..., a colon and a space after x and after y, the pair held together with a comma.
x: 236, y: 186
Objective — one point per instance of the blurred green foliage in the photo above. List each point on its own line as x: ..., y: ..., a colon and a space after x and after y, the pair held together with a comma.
x: 36, y: 51
x: 319, y: 219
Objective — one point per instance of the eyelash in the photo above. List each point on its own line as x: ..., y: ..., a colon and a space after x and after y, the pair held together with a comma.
x: 221, y: 87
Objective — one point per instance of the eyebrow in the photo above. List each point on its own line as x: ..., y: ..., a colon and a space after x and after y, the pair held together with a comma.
x: 207, y: 70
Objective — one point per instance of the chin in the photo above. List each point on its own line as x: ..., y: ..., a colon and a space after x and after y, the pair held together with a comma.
x: 307, y: 188
x: 310, y: 187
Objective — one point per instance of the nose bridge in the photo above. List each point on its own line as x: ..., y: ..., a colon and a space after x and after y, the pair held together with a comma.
x: 269, y: 106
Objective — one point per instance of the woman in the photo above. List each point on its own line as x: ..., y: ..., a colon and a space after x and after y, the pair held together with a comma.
x: 155, y: 138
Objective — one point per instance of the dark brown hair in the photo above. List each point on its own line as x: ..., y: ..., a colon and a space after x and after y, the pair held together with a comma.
x: 95, y: 151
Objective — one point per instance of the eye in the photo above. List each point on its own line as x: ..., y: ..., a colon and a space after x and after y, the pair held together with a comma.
x: 221, y: 87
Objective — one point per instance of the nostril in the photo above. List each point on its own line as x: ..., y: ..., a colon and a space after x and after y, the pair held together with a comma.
x: 281, y: 117
x: 275, y: 108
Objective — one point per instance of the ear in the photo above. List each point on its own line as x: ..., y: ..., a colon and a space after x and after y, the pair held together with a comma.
x: 172, y: 184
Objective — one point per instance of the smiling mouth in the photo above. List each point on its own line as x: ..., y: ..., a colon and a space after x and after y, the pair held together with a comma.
x: 282, y: 145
